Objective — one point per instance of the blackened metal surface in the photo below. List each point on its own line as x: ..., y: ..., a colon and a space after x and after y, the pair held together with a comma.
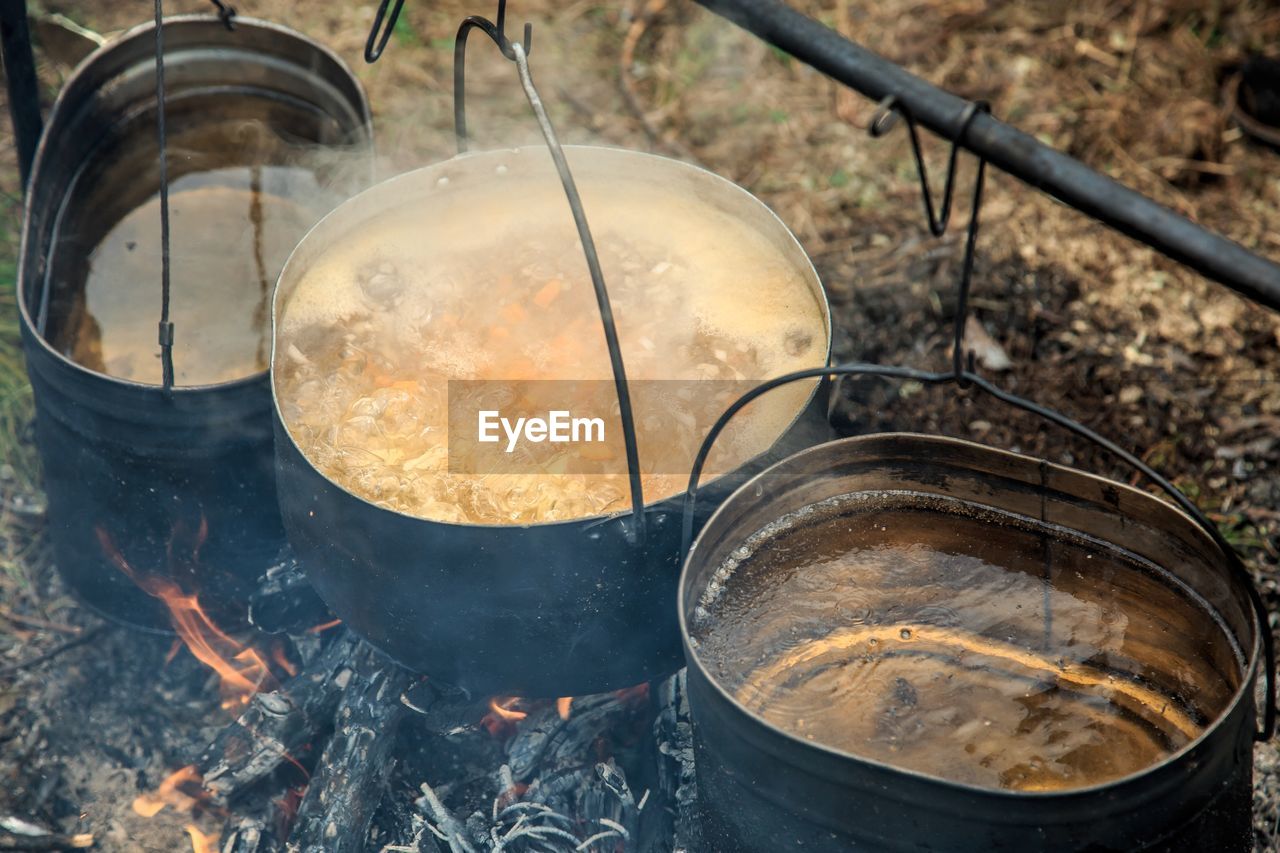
x: 548, y: 610
x: 1013, y: 151
x: 180, y: 485
x: 762, y: 789
x: 20, y: 74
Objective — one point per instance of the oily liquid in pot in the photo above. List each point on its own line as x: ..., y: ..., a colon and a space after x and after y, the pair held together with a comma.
x: 231, y: 230
x: 970, y: 646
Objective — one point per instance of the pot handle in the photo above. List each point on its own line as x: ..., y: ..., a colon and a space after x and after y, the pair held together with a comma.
x: 965, y: 378
x: 518, y: 52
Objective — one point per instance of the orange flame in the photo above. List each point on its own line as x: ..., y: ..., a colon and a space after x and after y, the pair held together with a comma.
x: 182, y: 790
x: 637, y: 695
x: 282, y: 660
x: 564, y: 705
x: 201, y: 843
x: 502, y: 717
x: 324, y: 626
x: 242, y: 670
x: 505, y: 708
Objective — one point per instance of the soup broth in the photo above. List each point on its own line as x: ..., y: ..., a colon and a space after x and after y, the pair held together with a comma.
x: 473, y: 285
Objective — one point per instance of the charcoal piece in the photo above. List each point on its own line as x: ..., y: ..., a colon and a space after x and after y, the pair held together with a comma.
x: 676, y: 779
x: 546, y: 743
x: 276, y: 726
x: 249, y: 836
x: 285, y: 600
x: 351, y: 778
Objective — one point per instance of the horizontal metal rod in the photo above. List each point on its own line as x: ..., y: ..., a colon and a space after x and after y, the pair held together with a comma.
x: 1009, y: 149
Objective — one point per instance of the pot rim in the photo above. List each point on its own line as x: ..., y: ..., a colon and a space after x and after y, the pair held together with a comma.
x: 82, y: 71
x: 806, y: 269
x: 1243, y: 692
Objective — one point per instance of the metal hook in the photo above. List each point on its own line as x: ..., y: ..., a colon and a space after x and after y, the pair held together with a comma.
x: 378, y: 34
x: 885, y: 119
x: 498, y: 34
x: 225, y: 14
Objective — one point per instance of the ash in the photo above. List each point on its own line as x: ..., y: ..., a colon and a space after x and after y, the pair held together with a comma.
x: 348, y: 754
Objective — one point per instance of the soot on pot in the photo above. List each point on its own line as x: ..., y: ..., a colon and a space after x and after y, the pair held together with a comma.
x: 964, y: 643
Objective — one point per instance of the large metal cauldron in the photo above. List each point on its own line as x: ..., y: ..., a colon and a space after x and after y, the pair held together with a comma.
x: 177, y: 485
x: 556, y: 609
x: 762, y: 789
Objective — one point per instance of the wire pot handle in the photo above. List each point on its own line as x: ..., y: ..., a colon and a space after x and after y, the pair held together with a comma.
x: 971, y: 379
x: 518, y: 52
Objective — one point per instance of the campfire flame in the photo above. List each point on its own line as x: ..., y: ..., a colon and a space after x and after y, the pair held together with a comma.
x: 181, y: 790
x: 242, y: 670
x: 564, y: 705
x: 505, y: 708
x: 201, y: 843
x: 503, y: 716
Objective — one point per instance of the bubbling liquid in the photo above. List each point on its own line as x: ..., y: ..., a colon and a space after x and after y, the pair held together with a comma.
x: 970, y: 646
x: 489, y: 283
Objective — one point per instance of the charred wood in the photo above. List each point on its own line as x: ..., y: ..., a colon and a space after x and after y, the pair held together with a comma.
x: 285, y: 601
x: 351, y: 777
x: 18, y: 834
x: 676, y: 778
x: 276, y: 726
x: 249, y: 836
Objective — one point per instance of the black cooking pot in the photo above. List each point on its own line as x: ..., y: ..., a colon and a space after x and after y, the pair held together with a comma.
x: 764, y: 789
x: 554, y: 609
x: 176, y: 486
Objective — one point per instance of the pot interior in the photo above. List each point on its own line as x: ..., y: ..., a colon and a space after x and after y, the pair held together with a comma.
x: 462, y: 288
x: 257, y: 153
x: 957, y: 626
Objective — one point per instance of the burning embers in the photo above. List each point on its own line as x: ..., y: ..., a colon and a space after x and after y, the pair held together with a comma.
x: 506, y: 712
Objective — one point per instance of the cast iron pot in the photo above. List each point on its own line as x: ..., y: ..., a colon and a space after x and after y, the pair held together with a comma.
x: 564, y: 608
x: 763, y: 789
x: 177, y: 486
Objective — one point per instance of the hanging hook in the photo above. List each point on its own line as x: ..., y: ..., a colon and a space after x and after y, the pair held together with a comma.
x: 225, y: 14
x: 886, y: 117
x: 498, y: 33
x: 379, y: 34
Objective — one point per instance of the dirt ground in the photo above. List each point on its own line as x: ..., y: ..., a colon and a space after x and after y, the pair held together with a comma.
x: 1176, y: 368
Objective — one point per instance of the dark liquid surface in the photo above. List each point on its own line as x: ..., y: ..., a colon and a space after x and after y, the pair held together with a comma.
x: 1000, y: 655
x: 247, y: 179
x: 231, y: 232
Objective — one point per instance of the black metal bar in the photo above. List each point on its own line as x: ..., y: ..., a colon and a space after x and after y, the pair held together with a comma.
x: 20, y: 73
x: 518, y: 53
x: 1009, y: 149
